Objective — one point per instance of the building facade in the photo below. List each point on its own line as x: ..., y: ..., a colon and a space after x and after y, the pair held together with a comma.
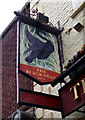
x: 8, y: 83
x: 69, y: 13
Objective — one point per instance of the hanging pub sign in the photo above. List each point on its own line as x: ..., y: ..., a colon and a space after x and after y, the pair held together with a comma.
x: 38, y: 51
x: 40, y: 100
x: 72, y: 95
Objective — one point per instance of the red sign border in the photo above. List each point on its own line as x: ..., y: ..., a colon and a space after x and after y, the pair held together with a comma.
x: 65, y: 115
x: 35, y: 78
x: 38, y: 105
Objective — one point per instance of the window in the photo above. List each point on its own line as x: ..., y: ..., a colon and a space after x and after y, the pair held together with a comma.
x: 76, y: 3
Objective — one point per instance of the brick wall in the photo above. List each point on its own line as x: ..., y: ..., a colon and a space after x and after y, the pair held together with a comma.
x: 72, y: 41
x: 9, y: 86
x: 0, y: 78
x: 9, y: 72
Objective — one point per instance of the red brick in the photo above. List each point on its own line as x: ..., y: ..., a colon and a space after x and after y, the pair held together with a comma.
x: 9, y: 86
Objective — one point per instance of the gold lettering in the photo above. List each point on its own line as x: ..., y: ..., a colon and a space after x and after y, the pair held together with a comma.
x: 28, y: 71
x: 40, y: 78
x: 39, y: 70
x: 75, y: 91
x: 52, y: 77
x: 40, y: 74
x: 83, y: 85
x: 44, y: 75
x: 47, y: 76
x: 33, y: 73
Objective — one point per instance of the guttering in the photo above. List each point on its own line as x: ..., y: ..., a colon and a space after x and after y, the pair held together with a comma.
x: 17, y: 62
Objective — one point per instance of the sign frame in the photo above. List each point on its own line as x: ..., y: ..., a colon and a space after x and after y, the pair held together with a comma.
x: 61, y: 101
x: 52, y: 30
x: 42, y: 105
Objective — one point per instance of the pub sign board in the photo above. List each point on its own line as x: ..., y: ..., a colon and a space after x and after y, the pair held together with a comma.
x: 72, y: 95
x: 38, y: 51
x: 37, y: 99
